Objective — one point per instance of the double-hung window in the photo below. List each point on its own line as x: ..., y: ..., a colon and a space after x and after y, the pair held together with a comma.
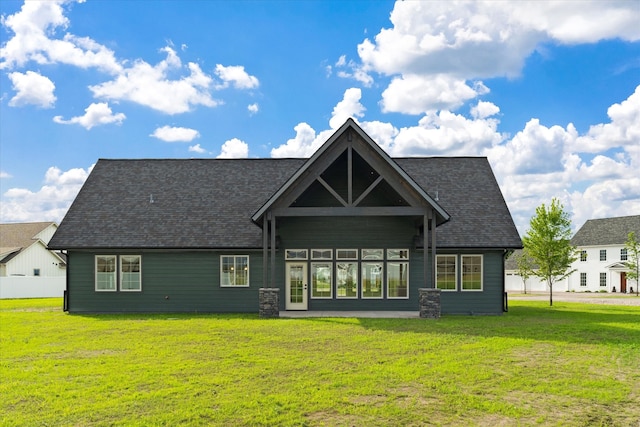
x: 623, y: 254
x: 446, y: 272
x: 471, y: 272
x: 583, y: 255
x: 603, y: 279
x: 234, y: 270
x: 603, y: 254
x: 583, y: 279
x: 130, y: 279
x: 106, y: 278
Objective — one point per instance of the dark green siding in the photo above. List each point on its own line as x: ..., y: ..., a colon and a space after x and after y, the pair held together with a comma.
x: 171, y: 282
x: 184, y: 281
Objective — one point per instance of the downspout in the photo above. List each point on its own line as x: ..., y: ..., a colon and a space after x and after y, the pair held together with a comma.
x: 505, y: 301
x: 65, y: 294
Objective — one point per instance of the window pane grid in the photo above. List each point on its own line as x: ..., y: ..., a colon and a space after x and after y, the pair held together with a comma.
x: 234, y: 270
x: 471, y: 272
x: 446, y: 272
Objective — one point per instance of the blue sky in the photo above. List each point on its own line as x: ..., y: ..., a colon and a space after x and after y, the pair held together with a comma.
x: 548, y: 91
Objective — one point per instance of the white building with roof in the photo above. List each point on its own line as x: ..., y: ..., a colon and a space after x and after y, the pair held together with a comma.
x: 601, y: 255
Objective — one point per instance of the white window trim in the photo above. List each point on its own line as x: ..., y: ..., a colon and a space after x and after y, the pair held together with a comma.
x: 481, y: 272
x: 390, y: 258
x: 95, y: 273
x: 398, y: 261
x: 234, y: 263
x: 119, y: 262
x: 455, y: 257
x: 330, y: 282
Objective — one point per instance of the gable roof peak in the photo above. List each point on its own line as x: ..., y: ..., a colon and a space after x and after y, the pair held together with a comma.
x: 368, y: 149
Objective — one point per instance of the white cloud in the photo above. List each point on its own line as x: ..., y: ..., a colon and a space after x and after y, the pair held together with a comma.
x: 49, y: 203
x: 624, y: 128
x: 36, y: 38
x: 197, y: 149
x: 5, y: 175
x: 304, y: 144
x: 446, y: 133
x: 151, y: 86
x: 175, y: 134
x: 484, y: 109
x: 234, y: 149
x: 350, y: 106
x: 235, y: 76
x: 535, y: 149
x: 475, y: 39
x: 253, y: 108
x: 95, y: 115
x: 437, y: 51
x: 414, y: 94
x: 32, y: 89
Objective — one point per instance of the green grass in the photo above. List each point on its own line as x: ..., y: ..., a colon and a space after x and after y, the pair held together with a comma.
x: 570, y: 364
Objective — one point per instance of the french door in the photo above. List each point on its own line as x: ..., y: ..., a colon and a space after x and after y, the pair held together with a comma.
x: 296, y: 286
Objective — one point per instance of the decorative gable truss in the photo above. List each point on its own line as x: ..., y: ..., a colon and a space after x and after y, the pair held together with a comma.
x: 350, y: 175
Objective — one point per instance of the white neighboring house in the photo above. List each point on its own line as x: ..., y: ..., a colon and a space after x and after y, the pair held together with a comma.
x: 601, y: 254
x: 28, y: 268
x: 513, y: 281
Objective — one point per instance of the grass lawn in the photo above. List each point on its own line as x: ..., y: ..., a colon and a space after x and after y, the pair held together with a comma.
x: 570, y: 364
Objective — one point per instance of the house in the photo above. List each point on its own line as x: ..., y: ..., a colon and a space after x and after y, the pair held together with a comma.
x: 27, y: 267
x: 349, y: 228
x: 24, y: 251
x: 515, y: 283
x: 601, y: 255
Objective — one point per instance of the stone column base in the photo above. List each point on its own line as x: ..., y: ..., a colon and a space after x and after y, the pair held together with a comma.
x: 269, y: 302
x: 429, y: 303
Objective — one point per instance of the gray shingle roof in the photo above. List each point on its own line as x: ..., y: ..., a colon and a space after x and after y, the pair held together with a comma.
x: 208, y: 203
x: 606, y: 231
x: 15, y: 237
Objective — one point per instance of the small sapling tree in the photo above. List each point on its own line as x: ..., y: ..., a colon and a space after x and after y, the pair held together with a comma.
x: 548, y: 242
x: 525, y: 267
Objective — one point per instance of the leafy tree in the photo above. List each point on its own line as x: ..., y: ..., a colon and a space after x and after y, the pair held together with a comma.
x: 525, y: 266
x: 633, y: 261
x: 548, y: 242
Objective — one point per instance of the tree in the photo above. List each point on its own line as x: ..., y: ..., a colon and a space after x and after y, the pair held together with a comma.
x: 525, y: 266
x: 548, y: 242
x: 633, y: 261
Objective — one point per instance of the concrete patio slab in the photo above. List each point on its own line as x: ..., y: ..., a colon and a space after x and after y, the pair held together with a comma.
x: 354, y: 314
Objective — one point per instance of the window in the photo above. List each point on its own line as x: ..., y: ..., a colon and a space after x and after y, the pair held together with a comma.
x: 322, y: 254
x: 603, y: 279
x: 372, y: 279
x: 346, y: 279
x: 623, y: 254
x: 346, y: 254
x: 234, y: 270
x: 130, y: 279
x: 293, y: 254
x: 106, y: 272
x: 583, y: 279
x: 372, y: 253
x: 583, y: 256
x: 321, y: 279
x: 603, y: 254
x: 471, y: 272
x: 36, y: 271
x: 397, y: 273
x: 446, y: 272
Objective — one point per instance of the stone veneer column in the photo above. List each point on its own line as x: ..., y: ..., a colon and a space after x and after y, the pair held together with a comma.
x: 429, y: 303
x: 269, y: 302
